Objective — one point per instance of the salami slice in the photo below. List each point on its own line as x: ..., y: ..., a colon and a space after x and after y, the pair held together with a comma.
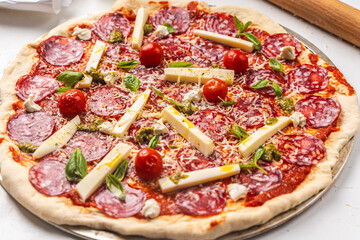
x: 149, y: 77
x: 31, y: 128
x: 308, y: 78
x: 319, y: 111
x: 38, y: 85
x: 48, y: 177
x: 222, y: 23
x: 104, y: 26
x: 108, y: 101
x: 177, y: 17
x: 114, y: 207
x: 93, y: 146
x: 211, y: 122
x: 273, y: 45
x: 201, y: 201
x: 206, y: 53
x: 174, y: 48
x: 303, y: 150
x: 266, y: 74
x: 190, y: 160
x: 61, y: 51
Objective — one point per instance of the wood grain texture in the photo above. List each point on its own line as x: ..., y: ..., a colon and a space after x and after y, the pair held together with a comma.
x: 334, y: 16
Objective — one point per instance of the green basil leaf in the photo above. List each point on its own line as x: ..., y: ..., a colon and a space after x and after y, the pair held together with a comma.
x: 148, y: 28
x: 70, y: 77
x: 239, y: 132
x: 261, y: 84
x: 154, y: 141
x: 226, y: 104
x: 246, y: 25
x: 131, y: 82
x: 128, y: 64
x: 259, y: 152
x: 170, y: 28
x: 275, y: 64
x: 121, y: 169
x: 62, y: 90
x: 238, y: 24
x: 180, y: 64
x: 115, y: 186
x: 115, y: 36
x: 158, y: 92
x: 176, y: 103
x: 76, y: 167
x: 254, y: 40
x: 277, y: 90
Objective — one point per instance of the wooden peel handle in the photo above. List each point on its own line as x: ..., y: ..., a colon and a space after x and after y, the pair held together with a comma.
x: 334, y: 16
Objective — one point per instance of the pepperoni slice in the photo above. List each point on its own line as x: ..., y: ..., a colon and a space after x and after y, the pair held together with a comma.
x: 31, y: 128
x: 93, y: 146
x: 266, y: 74
x: 319, y: 111
x: 308, y: 78
x: 114, y: 207
x: 303, y: 150
x: 149, y: 77
x: 258, y: 182
x: 48, y: 177
x: 108, y: 101
x: 38, y: 85
x: 207, y: 53
x: 258, y: 33
x: 177, y: 17
x: 222, y: 23
x: 211, y: 122
x: 104, y: 26
x: 272, y: 45
x: 61, y: 51
x: 201, y: 201
x: 174, y: 48
x: 190, y: 160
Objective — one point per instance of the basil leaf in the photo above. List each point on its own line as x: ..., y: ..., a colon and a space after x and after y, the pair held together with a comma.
x: 121, y: 169
x: 131, y: 82
x: 254, y: 40
x: 76, y: 167
x: 170, y: 28
x: 277, y: 90
x: 226, y: 104
x: 115, y: 36
x: 62, y: 90
x: 115, y: 186
x: 246, y: 25
x: 148, y: 28
x: 154, y: 141
x: 176, y: 103
x: 259, y: 152
x: 261, y: 84
x: 239, y: 132
x: 275, y: 64
x: 158, y: 92
x: 128, y: 64
x: 70, y: 77
x: 238, y: 24
x: 180, y: 64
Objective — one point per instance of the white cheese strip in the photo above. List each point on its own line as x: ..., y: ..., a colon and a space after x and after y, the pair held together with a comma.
x: 97, y: 176
x: 196, y: 75
x: 188, y: 130
x: 138, y: 33
x: 193, y: 178
x: 30, y: 105
x: 123, y: 125
x: 93, y: 62
x: 226, y: 40
x: 58, y: 139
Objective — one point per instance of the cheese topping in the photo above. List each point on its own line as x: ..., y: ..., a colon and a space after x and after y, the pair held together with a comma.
x: 194, y: 95
x: 198, y: 75
x: 110, y: 77
x: 287, y: 53
x: 236, y: 191
x: 82, y: 33
x: 29, y: 104
x: 161, y: 31
x: 138, y: 33
x: 298, y: 119
x: 151, y: 209
x: 159, y: 127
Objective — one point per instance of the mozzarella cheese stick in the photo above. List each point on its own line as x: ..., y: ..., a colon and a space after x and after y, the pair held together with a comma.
x: 198, y: 75
x: 138, y: 33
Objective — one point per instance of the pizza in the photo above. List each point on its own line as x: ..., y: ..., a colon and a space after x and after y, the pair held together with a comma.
x: 170, y: 120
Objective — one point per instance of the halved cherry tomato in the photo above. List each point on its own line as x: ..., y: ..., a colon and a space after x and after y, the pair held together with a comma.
x: 72, y: 102
x: 236, y: 60
x: 215, y: 88
x: 148, y: 164
x: 151, y: 54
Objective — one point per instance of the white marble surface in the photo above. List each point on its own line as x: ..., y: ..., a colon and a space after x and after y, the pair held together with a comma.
x: 335, y: 216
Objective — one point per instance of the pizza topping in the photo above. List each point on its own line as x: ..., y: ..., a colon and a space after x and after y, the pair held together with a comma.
x: 206, y: 53
x: 303, y: 150
x: 144, y: 135
x: 76, y: 167
x: 105, y: 25
x: 161, y: 31
x: 48, y: 177
x: 263, y: 82
x: 221, y: 23
x: 198, y: 75
x: 201, y: 201
x: 190, y: 159
x: 159, y: 127
x: 319, y: 111
x: 151, y: 54
x: 174, y: 48
x: 110, y: 77
x: 128, y: 64
x: 29, y: 104
x: 72, y: 102
x: 70, y: 77
x: 298, y: 119
x: 227, y: 103
x: 236, y: 60
x: 274, y: 45
x: 287, y: 105
x: 253, y: 164
x: 239, y: 132
x: 271, y: 121
x: 160, y: 94
x: 270, y: 153
x: 194, y: 95
x: 308, y: 78
x: 91, y: 127
x: 148, y: 28
x: 176, y: 177
x: 113, y: 181
x: 275, y: 64
x: 31, y: 128
x: 27, y: 147
x: 180, y: 64
x: 139, y: 28
x: 115, y: 36
x: 148, y: 164
x: 131, y: 82
x: 287, y: 53
x: 214, y: 89
x: 236, y: 191
x: 151, y: 208
x: 177, y: 17
x: 82, y: 33
x: 38, y: 85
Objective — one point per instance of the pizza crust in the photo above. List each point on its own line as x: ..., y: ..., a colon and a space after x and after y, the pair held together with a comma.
x: 60, y: 210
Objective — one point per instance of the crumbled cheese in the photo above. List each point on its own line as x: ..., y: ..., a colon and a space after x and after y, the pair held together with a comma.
x: 82, y: 33
x: 30, y: 106
x: 106, y: 127
x: 161, y: 31
x: 298, y: 119
x: 287, y: 53
x: 110, y: 77
x: 151, y: 209
x: 236, y: 191
x: 159, y: 127
x: 194, y: 95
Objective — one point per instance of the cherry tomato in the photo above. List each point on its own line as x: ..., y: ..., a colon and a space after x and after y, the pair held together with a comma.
x: 236, y: 60
x: 148, y: 164
x: 151, y: 54
x: 215, y: 88
x: 72, y: 102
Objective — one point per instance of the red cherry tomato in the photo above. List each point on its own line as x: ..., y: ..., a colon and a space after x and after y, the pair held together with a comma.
x: 215, y: 88
x: 148, y: 164
x: 236, y: 60
x: 72, y: 102
x: 151, y: 54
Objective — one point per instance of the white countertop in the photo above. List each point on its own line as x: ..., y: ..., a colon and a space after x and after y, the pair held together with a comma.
x: 335, y: 216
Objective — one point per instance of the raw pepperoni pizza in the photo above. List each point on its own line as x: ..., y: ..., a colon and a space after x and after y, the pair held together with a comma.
x: 170, y: 120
